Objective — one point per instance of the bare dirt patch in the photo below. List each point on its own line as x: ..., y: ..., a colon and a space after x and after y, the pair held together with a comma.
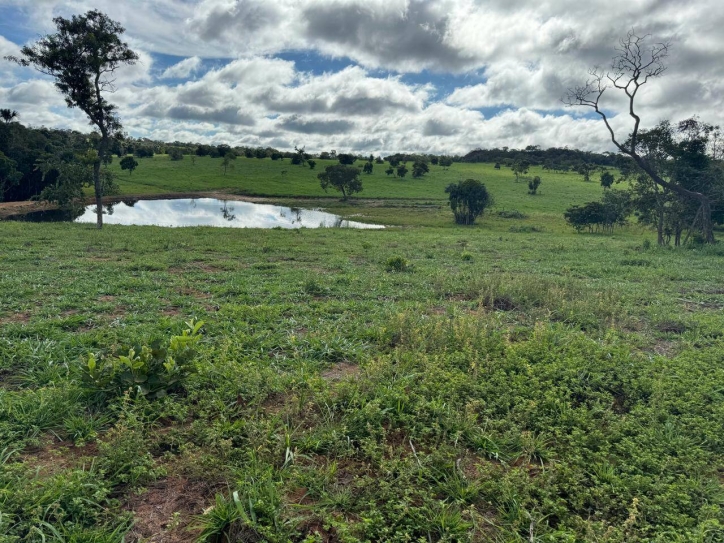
x: 341, y: 370
x: 20, y: 317
x: 54, y: 456
x: 165, y: 512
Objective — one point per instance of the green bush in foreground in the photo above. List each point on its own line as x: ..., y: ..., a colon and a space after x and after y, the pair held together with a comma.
x: 150, y: 371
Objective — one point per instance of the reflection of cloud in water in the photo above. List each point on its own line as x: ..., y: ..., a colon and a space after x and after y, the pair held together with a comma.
x: 210, y: 212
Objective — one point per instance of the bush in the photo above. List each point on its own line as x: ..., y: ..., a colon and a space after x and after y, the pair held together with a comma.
x: 468, y: 200
x: 149, y: 371
x: 533, y: 185
x: 175, y: 154
x: 397, y: 264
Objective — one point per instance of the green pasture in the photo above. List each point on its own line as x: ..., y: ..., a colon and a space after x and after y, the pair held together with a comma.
x: 511, y: 382
x: 265, y: 177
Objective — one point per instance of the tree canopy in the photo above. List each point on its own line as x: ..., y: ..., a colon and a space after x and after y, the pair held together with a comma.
x: 468, y: 200
x: 81, y: 57
x: 342, y: 178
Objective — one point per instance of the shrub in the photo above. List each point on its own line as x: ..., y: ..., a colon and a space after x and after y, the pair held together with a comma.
x: 175, y: 154
x: 149, y: 371
x: 533, y: 185
x: 397, y: 264
x: 468, y: 200
x: 419, y: 168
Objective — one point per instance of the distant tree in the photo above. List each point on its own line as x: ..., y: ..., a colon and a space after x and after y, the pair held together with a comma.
x: 311, y: 163
x: 419, y: 168
x: 226, y: 162
x: 394, y: 161
x: 533, y: 185
x: 379, y: 160
x: 585, y: 169
x: 8, y: 115
x: 324, y: 155
x: 341, y: 177
x: 402, y: 170
x: 260, y: 153
x: 520, y: 167
x: 607, y: 179
x: 434, y: 160
x: 468, y: 200
x: 276, y: 155
x: 129, y: 163
x: 175, y: 154
x: 367, y: 168
x: 390, y: 171
x: 497, y: 165
x: 299, y: 158
x: 222, y: 149
x: 346, y: 159
x: 81, y: 57
x: 446, y: 161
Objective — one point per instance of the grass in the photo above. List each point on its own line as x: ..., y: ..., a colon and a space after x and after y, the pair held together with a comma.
x: 266, y: 177
x: 423, y: 383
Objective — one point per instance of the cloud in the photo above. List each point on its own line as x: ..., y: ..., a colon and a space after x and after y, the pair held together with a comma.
x: 183, y: 69
x: 296, y: 123
x: 391, y: 88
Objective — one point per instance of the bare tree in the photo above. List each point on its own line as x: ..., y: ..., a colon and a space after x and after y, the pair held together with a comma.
x: 637, y: 62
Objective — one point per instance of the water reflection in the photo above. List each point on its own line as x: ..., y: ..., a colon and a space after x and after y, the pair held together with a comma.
x: 208, y: 212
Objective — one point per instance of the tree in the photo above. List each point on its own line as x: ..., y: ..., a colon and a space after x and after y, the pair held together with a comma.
x: 434, y: 160
x: 82, y: 57
x: 402, y: 170
x: 585, y: 169
x: 226, y: 162
x: 468, y: 200
x: 299, y: 157
x: 129, y: 163
x: 419, y: 168
x: 638, y: 61
x: 346, y: 159
x: 607, y: 180
x: 175, y: 154
x: 8, y: 115
x: 341, y: 177
x: 520, y: 167
x: 367, y: 168
x: 533, y: 185
x: 446, y: 161
x: 390, y: 171
x: 311, y: 163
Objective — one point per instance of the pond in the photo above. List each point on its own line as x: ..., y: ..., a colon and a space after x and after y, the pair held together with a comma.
x: 200, y: 212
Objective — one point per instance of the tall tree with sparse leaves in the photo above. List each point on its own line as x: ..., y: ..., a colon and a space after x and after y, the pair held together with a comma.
x: 82, y: 57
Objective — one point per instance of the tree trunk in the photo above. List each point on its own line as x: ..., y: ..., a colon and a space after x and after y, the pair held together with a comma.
x: 660, y: 227
x: 99, y: 192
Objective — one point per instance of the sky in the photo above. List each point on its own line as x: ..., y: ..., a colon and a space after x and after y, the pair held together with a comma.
x: 376, y: 76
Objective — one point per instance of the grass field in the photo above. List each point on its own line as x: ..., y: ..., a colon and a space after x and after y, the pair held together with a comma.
x: 422, y: 383
x: 266, y: 177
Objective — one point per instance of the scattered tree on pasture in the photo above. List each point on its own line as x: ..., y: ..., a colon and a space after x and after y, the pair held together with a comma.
x: 81, y: 57
x: 419, y: 168
x: 585, y: 169
x: 533, y: 185
x: 402, y: 170
x: 311, y: 163
x: 129, y: 163
x: 446, y: 161
x: 434, y: 160
x: 367, y: 168
x: 607, y: 179
x: 468, y: 200
x: 346, y: 159
x: 638, y: 61
x: 520, y: 167
x: 226, y: 162
x: 175, y: 154
x: 341, y: 177
x: 390, y: 171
